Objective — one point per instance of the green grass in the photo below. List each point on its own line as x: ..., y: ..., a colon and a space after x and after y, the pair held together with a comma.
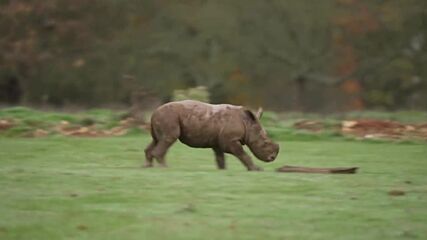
x: 79, y: 188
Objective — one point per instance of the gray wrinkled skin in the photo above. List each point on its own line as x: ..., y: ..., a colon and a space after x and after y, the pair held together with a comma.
x: 224, y: 128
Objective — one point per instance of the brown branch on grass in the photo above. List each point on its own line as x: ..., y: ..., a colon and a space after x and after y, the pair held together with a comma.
x: 341, y: 170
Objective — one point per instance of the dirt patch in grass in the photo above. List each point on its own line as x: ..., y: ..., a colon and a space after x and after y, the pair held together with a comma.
x: 368, y: 129
x: 396, y: 192
x: 66, y: 128
x: 82, y: 227
x: 6, y: 124
x: 384, y: 129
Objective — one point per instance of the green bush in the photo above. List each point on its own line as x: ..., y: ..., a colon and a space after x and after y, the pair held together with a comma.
x: 199, y: 93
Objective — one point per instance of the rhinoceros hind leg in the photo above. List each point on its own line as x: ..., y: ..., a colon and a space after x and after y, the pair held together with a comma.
x: 165, y: 131
x: 149, y: 155
x: 160, y: 150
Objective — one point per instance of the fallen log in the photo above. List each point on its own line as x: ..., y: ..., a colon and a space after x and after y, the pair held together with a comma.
x: 337, y: 170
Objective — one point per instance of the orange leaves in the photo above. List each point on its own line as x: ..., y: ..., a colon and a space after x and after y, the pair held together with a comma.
x: 347, y: 63
x: 238, y: 83
x: 238, y: 76
x: 351, y: 86
x: 16, y: 7
x: 358, y: 19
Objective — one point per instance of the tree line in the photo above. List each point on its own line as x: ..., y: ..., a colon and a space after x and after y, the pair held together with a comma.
x: 328, y: 55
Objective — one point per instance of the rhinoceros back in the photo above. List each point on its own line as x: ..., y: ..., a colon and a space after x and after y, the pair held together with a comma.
x: 197, y: 124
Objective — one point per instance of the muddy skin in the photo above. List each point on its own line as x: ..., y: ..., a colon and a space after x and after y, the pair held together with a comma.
x: 224, y: 128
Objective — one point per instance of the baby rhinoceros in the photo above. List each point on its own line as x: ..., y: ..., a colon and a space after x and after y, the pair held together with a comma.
x: 224, y: 128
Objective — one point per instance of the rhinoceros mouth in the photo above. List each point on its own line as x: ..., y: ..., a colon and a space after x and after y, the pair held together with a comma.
x: 270, y: 158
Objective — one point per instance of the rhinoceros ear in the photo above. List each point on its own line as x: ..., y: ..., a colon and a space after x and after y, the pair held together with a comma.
x: 259, y: 113
x: 250, y: 115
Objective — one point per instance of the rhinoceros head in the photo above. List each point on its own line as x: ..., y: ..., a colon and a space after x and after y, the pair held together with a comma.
x: 256, y: 137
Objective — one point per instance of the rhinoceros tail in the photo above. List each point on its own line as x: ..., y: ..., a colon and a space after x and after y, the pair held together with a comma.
x: 153, y: 132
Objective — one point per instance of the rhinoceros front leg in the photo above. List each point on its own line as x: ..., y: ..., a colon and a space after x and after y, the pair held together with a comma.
x: 220, y: 158
x: 237, y: 150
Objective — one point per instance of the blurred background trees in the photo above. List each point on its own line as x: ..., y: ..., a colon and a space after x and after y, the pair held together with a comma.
x: 329, y: 55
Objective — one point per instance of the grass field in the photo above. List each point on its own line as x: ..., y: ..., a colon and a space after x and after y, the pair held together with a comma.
x: 80, y: 188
